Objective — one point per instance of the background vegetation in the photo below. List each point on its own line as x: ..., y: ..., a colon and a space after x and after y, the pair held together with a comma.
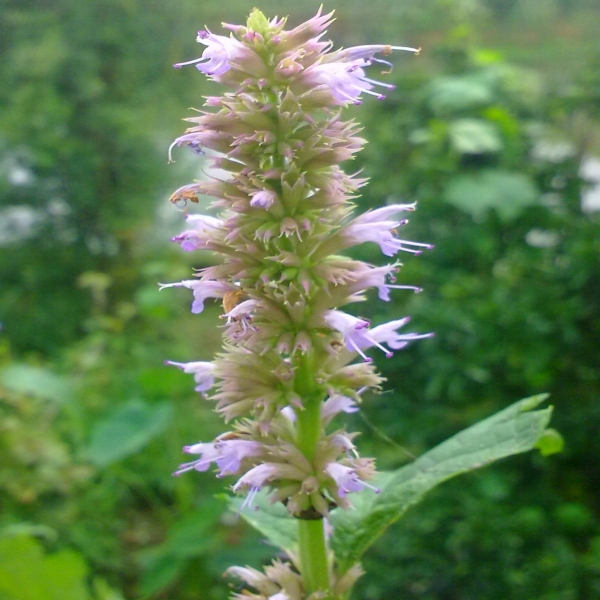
x: 488, y: 129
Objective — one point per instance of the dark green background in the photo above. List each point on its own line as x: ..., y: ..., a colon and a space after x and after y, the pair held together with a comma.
x: 487, y: 130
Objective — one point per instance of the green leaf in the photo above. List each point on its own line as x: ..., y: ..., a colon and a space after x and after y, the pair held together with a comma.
x: 188, y: 538
x: 102, y: 591
x: 511, y: 431
x: 258, y: 22
x: 474, y: 136
x: 504, y: 191
x: 27, y: 574
x: 272, y: 520
x: 36, y: 381
x: 454, y: 94
x: 551, y: 442
x: 126, y: 430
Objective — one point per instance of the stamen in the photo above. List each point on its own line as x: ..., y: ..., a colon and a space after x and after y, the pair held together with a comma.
x: 189, y: 62
x: 366, y: 358
x: 414, y: 288
x: 386, y: 351
x: 371, y: 487
x: 249, y: 500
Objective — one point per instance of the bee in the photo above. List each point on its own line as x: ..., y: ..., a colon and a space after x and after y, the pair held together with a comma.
x: 184, y: 194
x: 226, y: 437
x: 231, y: 299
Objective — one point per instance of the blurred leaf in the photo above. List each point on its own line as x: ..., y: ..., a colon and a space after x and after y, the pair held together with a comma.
x: 102, y: 591
x: 36, y: 381
x: 29, y: 530
x: 27, y: 574
x: 506, y: 192
x: 272, y: 520
x: 511, y: 431
x: 474, y: 136
x: 162, y: 570
x: 190, y: 537
x: 454, y: 94
x: 551, y: 442
x: 126, y: 430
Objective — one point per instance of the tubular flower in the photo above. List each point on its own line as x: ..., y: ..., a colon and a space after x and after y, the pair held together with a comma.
x: 218, y: 56
x: 198, y: 237
x: 282, y: 215
x: 203, y: 373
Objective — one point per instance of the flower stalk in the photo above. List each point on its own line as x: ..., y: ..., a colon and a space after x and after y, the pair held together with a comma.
x: 292, y: 359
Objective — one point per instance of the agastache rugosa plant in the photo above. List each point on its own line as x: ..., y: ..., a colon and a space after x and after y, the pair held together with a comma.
x: 292, y: 358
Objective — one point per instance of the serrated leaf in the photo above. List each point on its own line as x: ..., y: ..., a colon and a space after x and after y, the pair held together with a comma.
x: 511, y: 431
x: 272, y: 520
x: 504, y: 191
x: 126, y: 430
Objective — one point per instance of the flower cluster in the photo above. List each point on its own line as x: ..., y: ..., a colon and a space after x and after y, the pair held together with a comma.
x: 289, y: 363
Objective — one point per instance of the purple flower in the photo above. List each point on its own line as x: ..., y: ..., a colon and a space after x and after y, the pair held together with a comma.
x: 345, y: 82
x: 263, y: 199
x: 377, y: 277
x: 387, y: 334
x: 254, y: 480
x: 197, y: 238
x: 216, y: 58
x: 202, y: 289
x: 227, y: 454
x: 376, y: 226
x: 233, y: 452
x: 358, y: 336
x: 344, y: 443
x: 345, y: 478
x: 342, y: 73
x: 203, y: 373
x: 191, y: 140
x: 368, y: 52
x: 355, y: 331
x: 257, y: 477
x: 208, y: 454
x: 336, y: 404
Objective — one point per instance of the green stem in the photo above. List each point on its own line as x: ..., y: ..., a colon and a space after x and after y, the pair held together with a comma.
x: 313, y: 555
x: 313, y: 547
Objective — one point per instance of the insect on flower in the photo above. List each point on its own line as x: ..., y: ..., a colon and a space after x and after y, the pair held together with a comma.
x: 231, y: 299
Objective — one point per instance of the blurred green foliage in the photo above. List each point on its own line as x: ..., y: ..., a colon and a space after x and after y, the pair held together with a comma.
x: 92, y: 422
